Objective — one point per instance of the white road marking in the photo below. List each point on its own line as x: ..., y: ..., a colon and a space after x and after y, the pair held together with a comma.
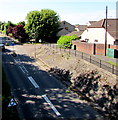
x: 25, y: 69
x: 15, y: 60
x: 33, y: 82
x: 51, y: 105
x: 22, y: 69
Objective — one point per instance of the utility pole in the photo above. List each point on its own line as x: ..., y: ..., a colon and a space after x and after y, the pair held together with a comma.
x: 34, y: 35
x: 35, y: 44
x: 106, y: 31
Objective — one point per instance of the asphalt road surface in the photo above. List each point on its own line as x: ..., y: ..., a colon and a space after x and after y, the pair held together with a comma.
x: 39, y: 95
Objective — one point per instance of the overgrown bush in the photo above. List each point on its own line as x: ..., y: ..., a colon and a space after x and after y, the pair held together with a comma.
x: 62, y: 74
x: 66, y: 41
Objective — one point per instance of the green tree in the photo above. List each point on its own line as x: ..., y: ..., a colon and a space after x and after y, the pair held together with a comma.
x: 44, y: 23
x: 2, y: 25
x: 66, y: 41
x: 21, y: 23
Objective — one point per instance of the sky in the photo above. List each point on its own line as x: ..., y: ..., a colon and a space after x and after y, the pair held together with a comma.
x: 72, y: 11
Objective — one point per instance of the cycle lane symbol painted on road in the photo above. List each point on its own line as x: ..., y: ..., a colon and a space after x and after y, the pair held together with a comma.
x: 12, y: 103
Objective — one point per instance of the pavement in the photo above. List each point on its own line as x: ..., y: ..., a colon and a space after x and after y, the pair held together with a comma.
x: 106, y: 58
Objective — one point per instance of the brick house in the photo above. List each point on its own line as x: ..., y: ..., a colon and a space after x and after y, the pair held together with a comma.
x: 65, y: 28
x: 95, y: 33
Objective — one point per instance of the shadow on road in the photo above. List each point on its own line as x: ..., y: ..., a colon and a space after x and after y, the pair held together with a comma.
x: 30, y: 101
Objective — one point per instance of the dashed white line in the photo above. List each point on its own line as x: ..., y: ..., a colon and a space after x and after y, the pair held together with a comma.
x: 15, y: 60
x: 33, y: 82
x: 22, y: 69
x: 25, y: 69
x: 51, y: 105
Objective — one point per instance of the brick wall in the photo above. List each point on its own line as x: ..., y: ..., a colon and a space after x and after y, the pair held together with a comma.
x: 113, y: 46
x: 83, y: 47
x: 100, y: 49
x: 90, y: 48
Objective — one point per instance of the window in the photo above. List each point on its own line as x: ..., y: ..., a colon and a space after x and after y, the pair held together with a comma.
x: 66, y: 28
x: 95, y: 40
x: 86, y: 40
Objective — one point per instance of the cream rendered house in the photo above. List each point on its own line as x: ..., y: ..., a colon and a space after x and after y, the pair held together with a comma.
x: 95, y: 33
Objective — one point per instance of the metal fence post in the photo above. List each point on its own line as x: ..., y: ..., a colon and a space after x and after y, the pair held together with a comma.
x: 113, y: 69
x: 82, y: 55
x: 100, y: 63
x: 75, y: 52
x: 90, y: 58
x: 69, y: 51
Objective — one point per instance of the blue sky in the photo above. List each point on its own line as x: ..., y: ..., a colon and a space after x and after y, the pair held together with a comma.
x: 73, y: 11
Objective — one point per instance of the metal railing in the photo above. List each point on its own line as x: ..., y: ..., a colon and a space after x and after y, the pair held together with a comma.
x: 89, y: 58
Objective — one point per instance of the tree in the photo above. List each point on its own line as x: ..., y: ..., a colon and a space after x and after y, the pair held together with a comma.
x: 2, y: 24
x: 66, y: 41
x: 21, y: 23
x: 8, y: 25
x: 44, y: 23
x: 19, y: 33
x: 9, y: 30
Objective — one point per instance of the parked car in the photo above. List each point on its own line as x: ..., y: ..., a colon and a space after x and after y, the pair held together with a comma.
x: 2, y: 47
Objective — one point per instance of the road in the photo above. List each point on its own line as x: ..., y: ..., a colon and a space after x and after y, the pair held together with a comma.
x: 39, y: 95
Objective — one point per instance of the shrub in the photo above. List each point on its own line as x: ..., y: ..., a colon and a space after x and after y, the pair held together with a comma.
x: 66, y: 41
x: 19, y: 32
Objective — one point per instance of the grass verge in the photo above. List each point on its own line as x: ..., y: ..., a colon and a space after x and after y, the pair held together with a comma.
x: 112, y: 63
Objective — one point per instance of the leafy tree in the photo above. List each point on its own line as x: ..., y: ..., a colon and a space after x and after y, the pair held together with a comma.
x: 7, y: 25
x: 21, y: 23
x: 9, y: 30
x: 44, y: 23
x: 19, y: 33
x: 66, y: 41
x: 2, y: 25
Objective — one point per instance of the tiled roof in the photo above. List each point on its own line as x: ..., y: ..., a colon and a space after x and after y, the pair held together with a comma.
x: 97, y: 24
x: 82, y: 27
x: 78, y: 33
x: 91, y: 22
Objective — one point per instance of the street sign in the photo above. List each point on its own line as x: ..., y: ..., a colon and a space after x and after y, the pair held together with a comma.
x: 12, y: 103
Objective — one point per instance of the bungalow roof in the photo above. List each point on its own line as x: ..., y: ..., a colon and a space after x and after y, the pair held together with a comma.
x: 78, y: 33
x: 82, y: 27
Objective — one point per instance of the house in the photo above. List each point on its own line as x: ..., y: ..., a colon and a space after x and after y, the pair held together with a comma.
x: 77, y: 33
x: 80, y: 27
x: 79, y: 30
x: 90, y: 23
x: 95, y: 33
x: 65, y: 28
